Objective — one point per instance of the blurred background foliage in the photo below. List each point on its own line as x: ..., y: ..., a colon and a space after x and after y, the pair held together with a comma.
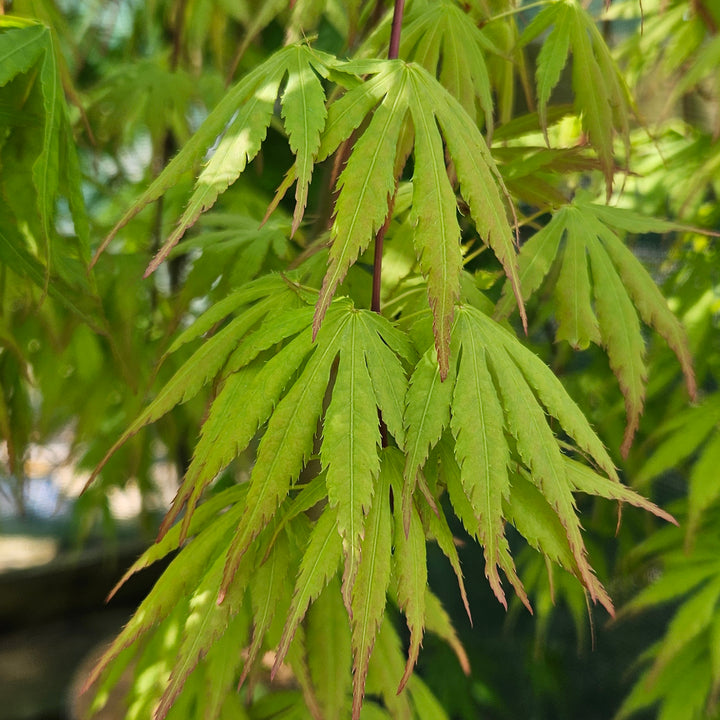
x: 80, y: 350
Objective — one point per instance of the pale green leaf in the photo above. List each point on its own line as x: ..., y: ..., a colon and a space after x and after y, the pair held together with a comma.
x: 591, y: 92
x: 193, y: 151
x: 386, y: 372
x: 349, y: 452
x: 410, y: 566
x: 436, y: 526
x: 620, y: 332
x: 585, y: 479
x: 650, y: 302
x: 366, y: 185
x: 692, y: 619
x: 373, y: 574
x: 288, y: 440
x: 438, y: 622
x: 427, y: 706
x: 243, y: 404
x: 534, y: 262
x: 329, y: 652
x: 576, y: 319
x: 303, y: 112
x: 184, y: 573
x: 427, y: 413
x: 479, y: 178
x: 539, y: 451
x: 319, y: 564
x: 172, y: 539
x: 552, y: 58
x: 386, y: 667
x: 239, y: 144
x: 204, y: 364
x: 266, y: 593
x: 204, y: 624
x: 434, y: 215
x: 704, y: 485
x: 482, y: 452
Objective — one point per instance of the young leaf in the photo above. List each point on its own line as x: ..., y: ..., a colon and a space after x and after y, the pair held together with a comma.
x: 288, y: 440
x: 434, y: 215
x: 427, y: 413
x: 483, y: 454
x: 366, y: 184
x: 319, y: 564
x: 329, y: 651
x: 373, y: 574
x: 410, y: 565
x: 349, y: 453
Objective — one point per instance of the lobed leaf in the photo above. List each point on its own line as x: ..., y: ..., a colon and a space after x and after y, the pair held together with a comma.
x: 410, y: 565
x: 482, y: 453
x: 373, y: 575
x: 621, y: 337
x: 319, y: 565
x: 434, y: 215
x: 288, y: 440
x: 427, y: 413
x: 349, y: 452
x: 303, y: 113
x: 366, y: 185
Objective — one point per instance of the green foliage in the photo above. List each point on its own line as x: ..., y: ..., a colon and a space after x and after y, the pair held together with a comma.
x: 334, y: 375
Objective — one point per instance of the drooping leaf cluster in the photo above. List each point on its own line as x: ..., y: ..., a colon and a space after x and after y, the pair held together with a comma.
x: 350, y: 440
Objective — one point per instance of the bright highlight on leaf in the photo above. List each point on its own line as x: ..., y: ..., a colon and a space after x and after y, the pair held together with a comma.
x: 241, y: 120
x: 601, y: 95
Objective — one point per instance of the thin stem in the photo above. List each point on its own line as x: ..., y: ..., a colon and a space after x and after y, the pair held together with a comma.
x: 380, y: 237
x: 395, y: 32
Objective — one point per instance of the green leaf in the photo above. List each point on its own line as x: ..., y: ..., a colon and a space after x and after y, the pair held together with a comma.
x: 288, y: 440
x: 367, y: 183
x: 234, y: 418
x: 329, y: 651
x: 427, y: 413
x: 551, y: 58
x: 483, y: 454
x: 576, y: 319
x: 204, y: 364
x: 349, y: 453
x: 386, y: 370
x: 185, y: 572
x: 434, y: 215
x: 438, y: 622
x: 536, y: 258
x: 442, y: 29
x: 410, y: 566
x: 239, y: 144
x: 319, y: 565
x: 648, y: 299
x: 266, y: 594
x: 304, y: 113
x: 479, y: 178
x: 204, y: 624
x: 373, y: 574
x: 620, y: 332
x: 19, y: 50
